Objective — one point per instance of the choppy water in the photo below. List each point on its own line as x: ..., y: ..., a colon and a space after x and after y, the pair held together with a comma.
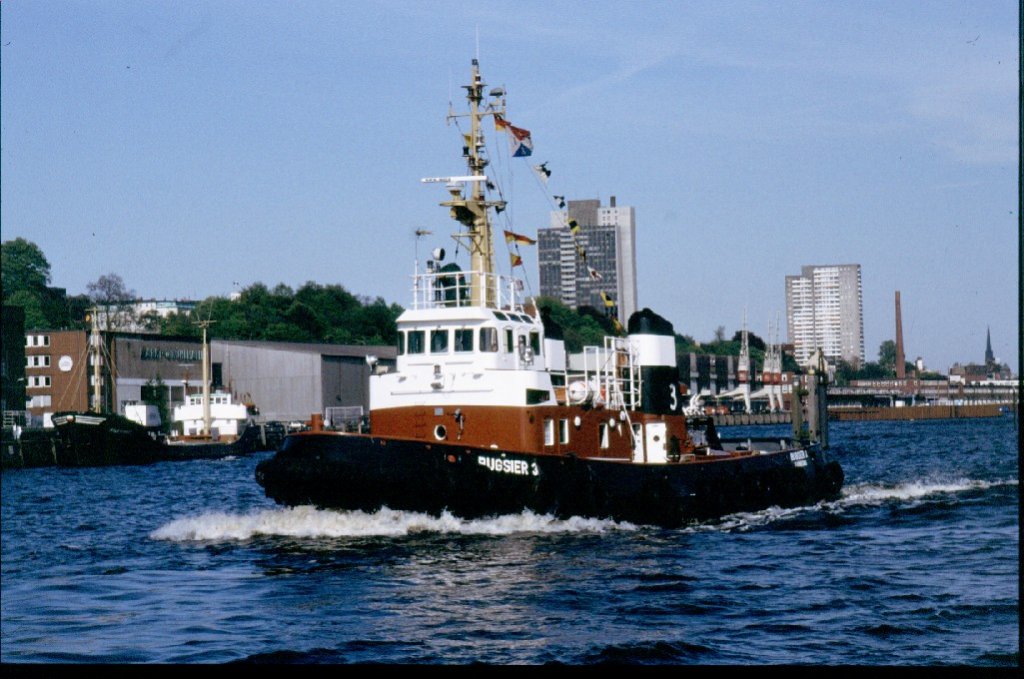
x: 917, y: 564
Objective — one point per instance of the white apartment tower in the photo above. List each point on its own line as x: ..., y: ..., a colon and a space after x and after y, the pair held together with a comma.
x: 824, y: 310
x: 576, y: 267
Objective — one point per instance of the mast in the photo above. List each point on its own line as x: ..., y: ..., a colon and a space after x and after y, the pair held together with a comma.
x: 94, y: 340
x: 743, y: 367
x: 206, y: 379
x: 471, y: 210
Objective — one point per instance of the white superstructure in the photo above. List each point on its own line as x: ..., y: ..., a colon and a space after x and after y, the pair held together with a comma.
x: 227, y: 419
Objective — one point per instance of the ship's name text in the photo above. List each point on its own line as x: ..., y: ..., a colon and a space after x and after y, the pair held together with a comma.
x: 505, y: 466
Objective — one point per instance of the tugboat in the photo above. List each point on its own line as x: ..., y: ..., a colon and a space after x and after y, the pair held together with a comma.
x: 482, y: 416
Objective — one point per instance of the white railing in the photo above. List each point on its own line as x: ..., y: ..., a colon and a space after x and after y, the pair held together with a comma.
x: 611, y: 374
x: 16, y: 417
x: 340, y: 417
x: 442, y: 289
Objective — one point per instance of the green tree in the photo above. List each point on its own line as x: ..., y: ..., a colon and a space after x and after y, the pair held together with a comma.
x: 578, y: 330
x: 752, y: 339
x: 873, y: 371
x: 789, y: 364
x: 31, y: 302
x: 24, y: 267
x: 178, y: 324
x: 887, y: 357
x: 375, y: 322
x: 304, y: 320
x: 845, y: 372
x: 25, y: 280
x: 154, y: 392
x: 686, y: 345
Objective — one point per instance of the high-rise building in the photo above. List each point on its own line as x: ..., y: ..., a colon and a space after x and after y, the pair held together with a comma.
x: 594, y: 264
x: 824, y: 311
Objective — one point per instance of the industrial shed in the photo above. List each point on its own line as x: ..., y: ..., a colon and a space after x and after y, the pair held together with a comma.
x: 290, y: 381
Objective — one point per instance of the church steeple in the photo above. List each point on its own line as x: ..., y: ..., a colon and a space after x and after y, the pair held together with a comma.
x: 989, y: 356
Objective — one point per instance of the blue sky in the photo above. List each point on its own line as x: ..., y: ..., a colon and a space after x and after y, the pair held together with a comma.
x: 195, y: 148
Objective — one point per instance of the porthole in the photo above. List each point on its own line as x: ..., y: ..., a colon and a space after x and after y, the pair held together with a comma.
x: 440, y: 433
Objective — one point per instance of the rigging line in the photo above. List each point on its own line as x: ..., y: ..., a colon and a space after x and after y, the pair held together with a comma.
x: 451, y: 106
x: 79, y: 375
x: 576, y: 243
x: 512, y: 270
x: 544, y: 189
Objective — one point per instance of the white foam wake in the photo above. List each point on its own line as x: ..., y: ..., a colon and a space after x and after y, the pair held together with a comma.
x: 309, y: 522
x: 873, y: 494
x: 864, y: 494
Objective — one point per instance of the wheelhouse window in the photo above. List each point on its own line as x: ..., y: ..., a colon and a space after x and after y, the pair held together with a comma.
x: 463, y: 339
x: 416, y: 342
x: 488, y: 339
x: 563, y: 430
x: 439, y: 341
x: 401, y: 343
x: 535, y: 342
x: 509, y: 343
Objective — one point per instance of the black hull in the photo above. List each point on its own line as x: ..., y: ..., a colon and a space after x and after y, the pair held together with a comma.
x: 91, y: 440
x: 355, y: 472
x: 96, y: 440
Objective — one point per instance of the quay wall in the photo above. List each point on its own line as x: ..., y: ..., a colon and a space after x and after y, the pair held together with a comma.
x: 932, y: 412
x: 927, y: 412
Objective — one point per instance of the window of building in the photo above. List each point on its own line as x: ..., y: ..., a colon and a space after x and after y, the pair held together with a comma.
x: 40, y: 401
x: 439, y: 341
x: 415, y: 340
x: 40, y: 361
x: 38, y: 381
x: 463, y: 339
x: 488, y: 339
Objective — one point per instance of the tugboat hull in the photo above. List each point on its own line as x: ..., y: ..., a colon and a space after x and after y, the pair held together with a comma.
x: 356, y: 472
